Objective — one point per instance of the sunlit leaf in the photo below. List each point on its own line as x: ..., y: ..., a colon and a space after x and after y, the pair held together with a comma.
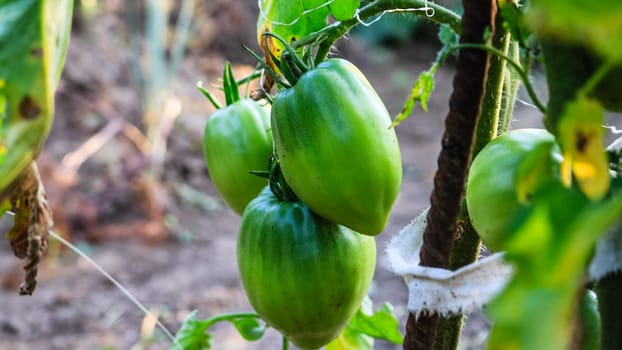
x: 192, y: 334
x: 33, y: 42
x: 344, y: 9
x: 249, y: 328
x: 290, y: 19
x: 581, y: 139
x: 593, y: 23
x: 550, y: 246
x: 366, y: 325
x: 421, y: 92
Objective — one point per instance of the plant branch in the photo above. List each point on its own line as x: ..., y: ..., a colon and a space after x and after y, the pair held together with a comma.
x: 517, y: 67
x: 465, y: 106
x: 327, y: 36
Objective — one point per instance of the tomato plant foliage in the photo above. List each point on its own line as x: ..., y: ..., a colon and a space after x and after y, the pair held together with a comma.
x: 33, y: 41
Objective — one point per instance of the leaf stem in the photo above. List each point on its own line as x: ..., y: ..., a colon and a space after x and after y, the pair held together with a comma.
x: 427, y: 9
x: 227, y: 317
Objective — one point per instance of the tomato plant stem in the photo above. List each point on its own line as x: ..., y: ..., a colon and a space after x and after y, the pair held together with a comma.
x: 511, y: 83
x: 327, y: 36
x: 465, y: 107
x: 493, y: 95
x: 519, y: 69
x: 610, y: 306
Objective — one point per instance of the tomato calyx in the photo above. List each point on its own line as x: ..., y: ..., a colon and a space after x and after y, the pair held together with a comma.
x: 291, y: 65
x: 277, y: 182
x: 286, y: 69
x: 230, y: 88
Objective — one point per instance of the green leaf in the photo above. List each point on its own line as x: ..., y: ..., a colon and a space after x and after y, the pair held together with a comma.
x: 581, y: 137
x: 592, y: 23
x: 33, y: 41
x: 193, y: 335
x: 447, y: 36
x: 364, y: 326
x: 343, y: 10
x: 421, y: 92
x: 550, y: 246
x: 513, y: 20
x: 350, y: 339
x: 249, y: 328
x: 230, y: 85
x: 193, y: 332
x: 381, y: 325
x: 291, y: 20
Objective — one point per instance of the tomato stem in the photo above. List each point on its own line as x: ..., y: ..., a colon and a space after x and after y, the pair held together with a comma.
x: 426, y: 9
x: 278, y: 184
x: 267, y: 68
x: 517, y: 67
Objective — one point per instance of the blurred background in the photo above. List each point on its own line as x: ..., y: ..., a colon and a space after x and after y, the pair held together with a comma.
x: 124, y: 171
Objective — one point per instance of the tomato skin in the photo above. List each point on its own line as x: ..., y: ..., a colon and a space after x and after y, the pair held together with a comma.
x: 304, y: 275
x: 335, y: 147
x: 491, y: 194
x: 237, y: 139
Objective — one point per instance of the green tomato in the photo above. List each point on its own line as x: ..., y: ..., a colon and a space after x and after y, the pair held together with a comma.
x: 304, y: 275
x: 590, y: 322
x: 237, y: 140
x: 336, y: 150
x: 491, y: 195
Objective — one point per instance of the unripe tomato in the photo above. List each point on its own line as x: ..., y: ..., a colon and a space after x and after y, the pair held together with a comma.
x: 237, y: 139
x: 304, y: 275
x: 336, y: 150
x: 491, y: 195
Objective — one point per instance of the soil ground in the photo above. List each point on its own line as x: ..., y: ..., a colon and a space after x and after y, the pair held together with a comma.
x: 181, y: 256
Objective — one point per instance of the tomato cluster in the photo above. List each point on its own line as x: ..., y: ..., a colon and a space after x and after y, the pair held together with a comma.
x: 305, y: 249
